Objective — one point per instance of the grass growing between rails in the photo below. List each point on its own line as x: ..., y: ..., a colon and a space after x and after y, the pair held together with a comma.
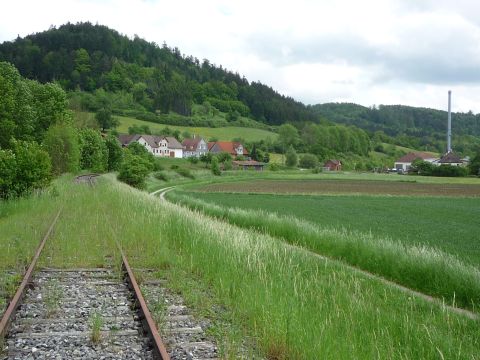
x: 425, y: 269
x: 23, y: 223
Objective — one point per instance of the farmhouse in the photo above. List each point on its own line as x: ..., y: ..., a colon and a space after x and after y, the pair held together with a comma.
x: 405, y: 162
x: 248, y: 165
x: 231, y: 147
x: 194, y: 147
x: 165, y: 146
x: 452, y: 159
x: 333, y: 165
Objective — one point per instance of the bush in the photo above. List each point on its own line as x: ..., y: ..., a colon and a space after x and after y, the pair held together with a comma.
x: 93, y: 151
x: 115, y: 153
x: 160, y: 175
x: 62, y: 144
x: 24, y: 168
x: 308, y: 161
x: 227, y: 165
x: 136, y: 148
x: 273, y: 167
x: 193, y: 159
x: 291, y: 158
x: 185, y: 173
x: 215, y: 167
x: 449, y: 171
x: 157, y: 165
x: 134, y: 170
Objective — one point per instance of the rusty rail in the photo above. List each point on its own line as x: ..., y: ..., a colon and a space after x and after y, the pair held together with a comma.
x: 159, y: 350
x: 15, y: 302
x: 87, y: 178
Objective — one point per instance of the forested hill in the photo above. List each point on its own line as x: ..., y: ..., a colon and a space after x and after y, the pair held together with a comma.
x: 397, y: 119
x: 88, y: 57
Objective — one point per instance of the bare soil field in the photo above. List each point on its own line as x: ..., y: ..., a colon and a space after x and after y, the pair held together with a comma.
x: 345, y: 187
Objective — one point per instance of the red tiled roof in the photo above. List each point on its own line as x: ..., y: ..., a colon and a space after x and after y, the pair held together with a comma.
x: 227, y: 146
x: 450, y: 158
x: 410, y: 157
x: 191, y: 144
x: 334, y: 162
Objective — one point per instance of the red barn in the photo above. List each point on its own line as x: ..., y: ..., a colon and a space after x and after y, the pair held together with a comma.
x: 333, y: 165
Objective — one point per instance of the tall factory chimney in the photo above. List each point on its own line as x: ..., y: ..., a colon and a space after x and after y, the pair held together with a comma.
x: 449, y: 131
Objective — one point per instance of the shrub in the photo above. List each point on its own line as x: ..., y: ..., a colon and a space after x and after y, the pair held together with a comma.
x: 291, y: 157
x: 215, y: 167
x: 115, y: 153
x: 227, y: 165
x: 273, y: 167
x: 308, y: 161
x: 24, y: 168
x: 62, y: 144
x: 160, y: 175
x: 449, y: 171
x: 193, y: 159
x: 93, y: 151
x: 185, y: 173
x: 136, y: 148
x: 134, y: 170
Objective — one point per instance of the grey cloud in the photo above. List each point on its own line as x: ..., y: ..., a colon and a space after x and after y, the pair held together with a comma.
x: 417, y: 59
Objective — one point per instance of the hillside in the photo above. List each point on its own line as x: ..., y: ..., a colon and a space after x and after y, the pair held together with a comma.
x: 226, y: 133
x: 91, y: 57
x: 420, y: 128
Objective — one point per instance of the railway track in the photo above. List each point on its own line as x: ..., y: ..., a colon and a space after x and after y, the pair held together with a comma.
x: 86, y: 179
x: 79, y: 314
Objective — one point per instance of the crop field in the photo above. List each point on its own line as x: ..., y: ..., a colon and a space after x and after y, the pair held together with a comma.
x: 340, y: 186
x: 447, y: 224
x: 291, y: 303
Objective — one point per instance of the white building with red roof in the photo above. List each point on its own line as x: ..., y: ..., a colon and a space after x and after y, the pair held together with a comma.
x: 164, y: 146
x: 405, y: 162
x: 194, y: 147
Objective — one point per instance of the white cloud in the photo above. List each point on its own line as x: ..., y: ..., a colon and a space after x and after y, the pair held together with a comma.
x: 370, y: 52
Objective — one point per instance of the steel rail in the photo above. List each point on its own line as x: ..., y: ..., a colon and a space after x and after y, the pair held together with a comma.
x: 15, y: 302
x: 159, y: 350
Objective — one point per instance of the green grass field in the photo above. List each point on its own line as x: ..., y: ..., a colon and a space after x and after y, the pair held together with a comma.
x: 294, y: 304
x: 221, y: 133
x: 447, y: 224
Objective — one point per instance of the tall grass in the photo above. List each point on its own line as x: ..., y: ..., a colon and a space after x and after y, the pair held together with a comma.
x: 297, y: 305
x: 23, y: 223
x: 422, y: 268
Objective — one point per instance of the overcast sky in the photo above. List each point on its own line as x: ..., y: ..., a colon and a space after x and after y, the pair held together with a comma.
x: 369, y: 52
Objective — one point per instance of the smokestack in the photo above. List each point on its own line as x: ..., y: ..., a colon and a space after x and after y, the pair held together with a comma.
x: 449, y: 131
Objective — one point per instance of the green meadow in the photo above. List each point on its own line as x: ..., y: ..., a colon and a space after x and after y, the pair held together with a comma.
x: 445, y: 223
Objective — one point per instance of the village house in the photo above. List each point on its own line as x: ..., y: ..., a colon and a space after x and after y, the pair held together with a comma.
x: 452, y: 159
x: 233, y: 148
x: 194, y: 147
x: 405, y: 162
x: 332, y: 165
x: 164, y: 146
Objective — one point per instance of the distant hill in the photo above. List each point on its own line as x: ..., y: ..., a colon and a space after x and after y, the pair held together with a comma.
x: 411, y: 126
x: 89, y: 57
